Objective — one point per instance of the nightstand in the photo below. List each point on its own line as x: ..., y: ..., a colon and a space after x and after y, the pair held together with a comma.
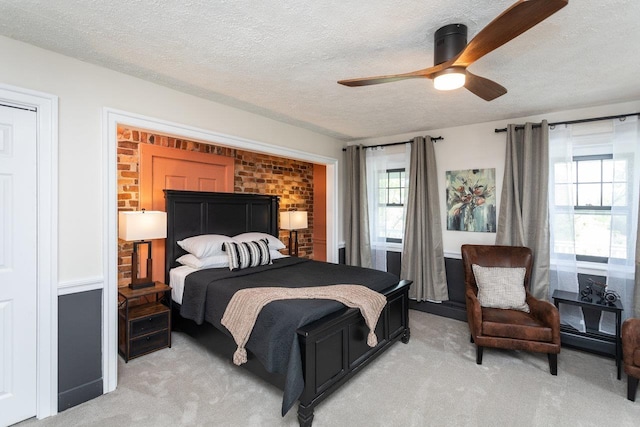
x: 143, y: 327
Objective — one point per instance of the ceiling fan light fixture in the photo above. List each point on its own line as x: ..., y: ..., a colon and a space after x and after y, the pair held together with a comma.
x: 452, y: 54
x: 450, y: 79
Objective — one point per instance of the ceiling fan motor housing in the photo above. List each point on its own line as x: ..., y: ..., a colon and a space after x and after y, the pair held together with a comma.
x: 448, y: 42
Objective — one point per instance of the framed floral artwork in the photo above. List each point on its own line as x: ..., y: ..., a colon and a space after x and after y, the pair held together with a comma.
x: 471, y: 200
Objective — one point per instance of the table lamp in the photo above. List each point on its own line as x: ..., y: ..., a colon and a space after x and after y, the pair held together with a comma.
x: 140, y: 227
x: 293, y: 221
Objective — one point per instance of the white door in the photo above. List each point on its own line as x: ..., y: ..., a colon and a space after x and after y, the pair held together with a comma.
x: 17, y: 264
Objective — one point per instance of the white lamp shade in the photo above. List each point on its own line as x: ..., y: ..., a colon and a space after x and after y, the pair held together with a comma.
x: 142, y: 225
x: 293, y: 220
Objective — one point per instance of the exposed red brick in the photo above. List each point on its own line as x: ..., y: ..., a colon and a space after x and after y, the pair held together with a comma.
x: 127, y: 144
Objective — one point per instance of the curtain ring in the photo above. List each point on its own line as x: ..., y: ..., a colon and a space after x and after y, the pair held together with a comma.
x: 622, y: 119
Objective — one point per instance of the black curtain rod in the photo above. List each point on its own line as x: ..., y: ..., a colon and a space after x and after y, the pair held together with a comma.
x: 571, y: 122
x: 438, y: 138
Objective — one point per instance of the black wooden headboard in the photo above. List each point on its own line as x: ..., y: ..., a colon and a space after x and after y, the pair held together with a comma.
x: 190, y: 213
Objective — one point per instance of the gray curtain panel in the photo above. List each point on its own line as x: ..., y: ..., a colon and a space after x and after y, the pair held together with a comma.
x: 358, y: 247
x: 636, y: 288
x: 524, y: 205
x: 422, y: 252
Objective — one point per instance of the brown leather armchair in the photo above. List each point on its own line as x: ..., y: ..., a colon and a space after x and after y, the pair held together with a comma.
x: 631, y: 355
x: 537, y: 331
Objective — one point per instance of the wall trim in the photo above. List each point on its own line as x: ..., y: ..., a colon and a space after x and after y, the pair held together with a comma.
x: 80, y: 285
x: 46, y: 106
x: 582, y: 266
x: 451, y: 254
x: 110, y: 120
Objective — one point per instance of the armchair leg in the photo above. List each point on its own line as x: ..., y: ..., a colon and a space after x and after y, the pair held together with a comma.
x: 553, y: 363
x: 479, y: 355
x: 632, y: 386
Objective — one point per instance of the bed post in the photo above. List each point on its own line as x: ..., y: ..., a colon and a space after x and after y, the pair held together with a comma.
x: 305, y: 415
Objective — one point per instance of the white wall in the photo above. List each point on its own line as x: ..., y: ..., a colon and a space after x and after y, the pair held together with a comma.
x: 477, y: 146
x: 84, y: 90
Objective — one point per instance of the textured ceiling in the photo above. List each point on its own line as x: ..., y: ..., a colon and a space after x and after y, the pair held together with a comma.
x: 282, y: 58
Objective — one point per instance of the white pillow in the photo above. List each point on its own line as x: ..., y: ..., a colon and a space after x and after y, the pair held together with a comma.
x: 276, y: 254
x: 274, y: 242
x: 501, y: 287
x: 204, y: 245
x: 215, y: 261
x: 247, y: 254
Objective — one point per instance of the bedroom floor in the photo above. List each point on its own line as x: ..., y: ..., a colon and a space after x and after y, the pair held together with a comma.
x: 432, y: 381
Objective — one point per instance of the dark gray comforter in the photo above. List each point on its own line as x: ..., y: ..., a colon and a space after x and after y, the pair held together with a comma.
x: 274, y: 340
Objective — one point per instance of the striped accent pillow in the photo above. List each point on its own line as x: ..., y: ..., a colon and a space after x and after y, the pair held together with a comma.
x: 247, y: 254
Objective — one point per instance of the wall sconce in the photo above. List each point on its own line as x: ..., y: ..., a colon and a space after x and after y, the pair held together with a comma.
x: 293, y: 221
x: 140, y: 227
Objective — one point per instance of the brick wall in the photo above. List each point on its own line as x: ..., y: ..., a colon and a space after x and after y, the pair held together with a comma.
x: 292, y: 180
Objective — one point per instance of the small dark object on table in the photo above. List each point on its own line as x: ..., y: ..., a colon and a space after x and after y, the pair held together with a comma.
x: 599, y: 290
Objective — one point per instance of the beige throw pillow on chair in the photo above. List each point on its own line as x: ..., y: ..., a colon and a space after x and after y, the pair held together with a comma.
x: 501, y: 287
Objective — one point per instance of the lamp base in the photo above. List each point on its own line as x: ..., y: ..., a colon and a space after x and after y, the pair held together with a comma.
x: 141, y: 285
x: 141, y: 282
x: 293, y: 243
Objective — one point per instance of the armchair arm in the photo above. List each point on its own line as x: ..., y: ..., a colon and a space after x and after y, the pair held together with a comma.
x: 474, y: 313
x: 630, y: 339
x: 546, y: 313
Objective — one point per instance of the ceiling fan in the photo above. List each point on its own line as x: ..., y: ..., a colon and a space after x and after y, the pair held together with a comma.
x: 453, y: 55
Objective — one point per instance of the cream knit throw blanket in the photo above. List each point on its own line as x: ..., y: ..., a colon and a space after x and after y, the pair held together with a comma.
x: 245, y: 305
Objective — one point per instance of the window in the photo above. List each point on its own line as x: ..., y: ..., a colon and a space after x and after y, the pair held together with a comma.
x: 392, y: 194
x: 591, y: 186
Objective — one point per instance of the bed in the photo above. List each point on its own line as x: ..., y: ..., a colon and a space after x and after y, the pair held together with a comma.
x: 324, y: 352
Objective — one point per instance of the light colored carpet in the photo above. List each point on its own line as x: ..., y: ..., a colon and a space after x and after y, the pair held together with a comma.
x: 432, y: 381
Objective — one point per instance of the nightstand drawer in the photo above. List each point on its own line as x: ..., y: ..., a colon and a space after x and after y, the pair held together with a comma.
x: 149, y: 324
x: 149, y: 343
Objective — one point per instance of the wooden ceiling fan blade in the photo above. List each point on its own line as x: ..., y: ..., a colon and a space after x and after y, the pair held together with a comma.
x: 367, y: 81
x: 520, y: 17
x: 428, y: 73
x: 484, y: 88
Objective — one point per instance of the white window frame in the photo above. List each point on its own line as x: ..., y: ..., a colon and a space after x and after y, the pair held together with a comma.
x: 590, y: 260
x: 403, y: 186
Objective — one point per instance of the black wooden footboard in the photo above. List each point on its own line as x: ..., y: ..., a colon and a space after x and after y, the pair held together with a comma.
x: 335, y: 348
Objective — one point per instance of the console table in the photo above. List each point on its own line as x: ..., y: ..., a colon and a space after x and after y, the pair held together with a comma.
x: 573, y: 298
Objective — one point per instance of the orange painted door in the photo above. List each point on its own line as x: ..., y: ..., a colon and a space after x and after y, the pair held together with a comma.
x: 163, y: 168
